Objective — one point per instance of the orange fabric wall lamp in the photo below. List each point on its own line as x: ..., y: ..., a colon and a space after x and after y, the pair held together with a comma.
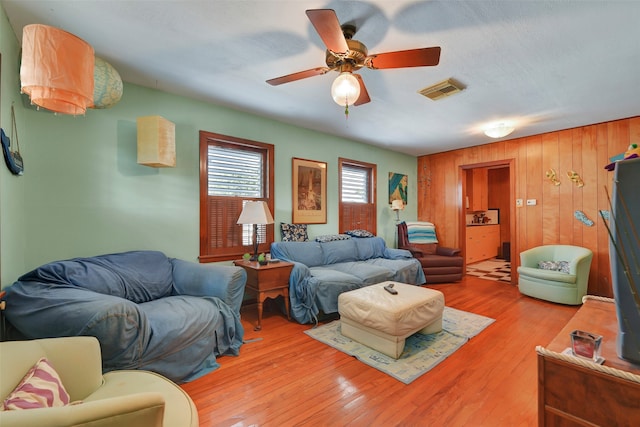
x: 57, y: 69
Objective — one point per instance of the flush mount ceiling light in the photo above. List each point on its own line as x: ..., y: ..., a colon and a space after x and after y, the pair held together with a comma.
x: 499, y: 130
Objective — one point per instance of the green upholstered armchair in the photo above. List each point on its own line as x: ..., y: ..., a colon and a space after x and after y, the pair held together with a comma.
x: 538, y: 278
x: 117, y: 398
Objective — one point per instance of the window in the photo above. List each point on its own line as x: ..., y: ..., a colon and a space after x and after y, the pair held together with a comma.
x: 357, y: 204
x: 232, y: 172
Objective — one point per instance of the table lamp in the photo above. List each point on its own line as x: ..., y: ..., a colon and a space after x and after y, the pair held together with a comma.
x: 255, y: 212
x: 397, y: 205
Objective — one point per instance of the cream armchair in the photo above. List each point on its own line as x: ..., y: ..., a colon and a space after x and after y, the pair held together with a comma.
x: 555, y: 286
x: 117, y: 398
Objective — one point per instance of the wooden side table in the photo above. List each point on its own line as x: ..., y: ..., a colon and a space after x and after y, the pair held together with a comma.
x: 267, y: 281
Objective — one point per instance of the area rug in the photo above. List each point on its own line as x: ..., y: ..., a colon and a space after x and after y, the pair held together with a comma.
x: 492, y: 269
x: 421, y: 352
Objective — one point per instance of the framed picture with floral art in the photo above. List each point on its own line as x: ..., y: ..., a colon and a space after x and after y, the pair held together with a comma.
x: 309, y: 190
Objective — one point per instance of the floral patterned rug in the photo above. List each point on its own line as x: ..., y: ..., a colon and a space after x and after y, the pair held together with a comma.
x: 421, y: 352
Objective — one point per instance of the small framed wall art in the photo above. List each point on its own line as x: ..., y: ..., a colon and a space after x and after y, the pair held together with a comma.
x: 398, y: 187
x: 309, y: 189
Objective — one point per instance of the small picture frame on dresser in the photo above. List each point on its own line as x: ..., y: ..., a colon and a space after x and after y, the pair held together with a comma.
x: 586, y: 345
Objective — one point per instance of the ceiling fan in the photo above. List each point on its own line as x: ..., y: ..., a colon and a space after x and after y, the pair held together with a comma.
x: 346, y: 55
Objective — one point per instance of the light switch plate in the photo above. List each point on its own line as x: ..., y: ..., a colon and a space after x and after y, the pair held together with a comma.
x: 519, y: 203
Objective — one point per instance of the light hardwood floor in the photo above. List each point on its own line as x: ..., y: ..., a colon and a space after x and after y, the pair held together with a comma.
x: 289, y: 379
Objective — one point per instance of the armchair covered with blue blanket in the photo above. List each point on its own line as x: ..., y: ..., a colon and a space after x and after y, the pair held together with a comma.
x: 147, y: 311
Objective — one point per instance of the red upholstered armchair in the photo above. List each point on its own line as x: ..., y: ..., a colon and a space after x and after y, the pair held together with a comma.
x: 440, y: 264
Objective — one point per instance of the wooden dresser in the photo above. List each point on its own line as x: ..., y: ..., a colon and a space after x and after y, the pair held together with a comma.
x: 576, y: 393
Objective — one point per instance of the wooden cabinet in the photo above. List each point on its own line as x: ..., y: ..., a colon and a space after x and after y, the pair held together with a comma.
x: 478, y: 190
x: 572, y: 392
x: 483, y: 242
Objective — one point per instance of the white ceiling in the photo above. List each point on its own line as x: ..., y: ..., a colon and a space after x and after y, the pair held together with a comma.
x: 547, y: 65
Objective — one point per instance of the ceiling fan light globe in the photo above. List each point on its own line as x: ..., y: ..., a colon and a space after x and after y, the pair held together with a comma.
x: 345, y: 89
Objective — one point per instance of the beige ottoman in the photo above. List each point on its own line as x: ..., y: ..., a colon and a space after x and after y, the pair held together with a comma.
x: 382, y: 321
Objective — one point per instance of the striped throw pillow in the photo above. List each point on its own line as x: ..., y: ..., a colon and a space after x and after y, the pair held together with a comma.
x: 40, y: 388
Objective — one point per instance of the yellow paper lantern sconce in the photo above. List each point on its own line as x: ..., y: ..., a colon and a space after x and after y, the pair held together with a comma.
x: 156, y: 142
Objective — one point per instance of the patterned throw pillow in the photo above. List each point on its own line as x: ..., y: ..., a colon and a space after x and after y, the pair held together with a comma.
x: 293, y: 232
x: 548, y: 265
x: 331, y: 237
x: 562, y: 266
x: 359, y: 233
x: 40, y: 388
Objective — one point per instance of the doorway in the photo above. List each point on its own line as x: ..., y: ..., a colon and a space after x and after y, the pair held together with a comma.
x: 493, y: 183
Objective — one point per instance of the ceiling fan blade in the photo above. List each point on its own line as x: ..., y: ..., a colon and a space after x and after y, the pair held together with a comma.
x: 364, y: 95
x: 427, y: 56
x: 298, y: 76
x: 326, y: 23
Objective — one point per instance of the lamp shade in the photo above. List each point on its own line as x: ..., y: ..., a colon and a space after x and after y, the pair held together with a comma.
x: 56, y: 69
x: 156, y: 142
x: 345, y: 89
x: 107, y: 85
x: 255, y: 213
x: 397, y: 205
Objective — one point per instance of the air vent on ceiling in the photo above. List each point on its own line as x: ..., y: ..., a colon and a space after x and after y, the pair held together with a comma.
x: 441, y: 90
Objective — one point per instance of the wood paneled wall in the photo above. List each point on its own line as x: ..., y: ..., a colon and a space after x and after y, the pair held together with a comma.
x: 585, y: 150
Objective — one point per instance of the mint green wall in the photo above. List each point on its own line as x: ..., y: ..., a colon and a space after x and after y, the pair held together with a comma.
x: 84, y: 194
x: 12, y: 219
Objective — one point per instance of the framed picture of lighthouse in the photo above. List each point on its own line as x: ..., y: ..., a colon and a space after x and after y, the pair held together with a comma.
x: 309, y: 190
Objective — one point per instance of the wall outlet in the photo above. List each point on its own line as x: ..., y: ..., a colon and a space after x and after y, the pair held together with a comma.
x: 532, y: 202
x: 519, y: 203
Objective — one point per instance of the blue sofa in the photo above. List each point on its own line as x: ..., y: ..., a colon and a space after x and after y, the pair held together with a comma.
x: 147, y: 311
x: 324, y: 270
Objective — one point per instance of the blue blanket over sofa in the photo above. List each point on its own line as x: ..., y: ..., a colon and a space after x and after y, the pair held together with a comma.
x: 323, y: 270
x: 148, y: 311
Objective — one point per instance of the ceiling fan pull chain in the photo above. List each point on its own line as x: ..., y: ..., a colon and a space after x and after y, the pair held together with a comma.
x: 346, y: 108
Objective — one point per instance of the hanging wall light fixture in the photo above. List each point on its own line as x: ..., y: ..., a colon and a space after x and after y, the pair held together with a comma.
x: 57, y: 69
x: 107, y: 85
x: 156, y: 142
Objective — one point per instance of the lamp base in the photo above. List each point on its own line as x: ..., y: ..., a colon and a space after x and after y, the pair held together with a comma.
x: 254, y: 257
